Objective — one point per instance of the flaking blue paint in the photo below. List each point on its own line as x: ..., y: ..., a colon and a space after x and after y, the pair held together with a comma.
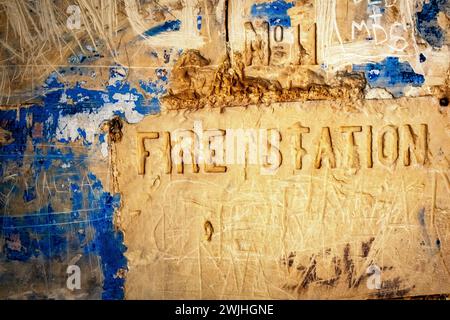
x: 107, y: 243
x: 83, y: 135
x: 29, y: 194
x: 167, y: 26
x: 157, y: 87
x: 36, y: 234
x: 199, y: 22
x: 48, y: 234
x: 101, y: 138
x: 45, y: 233
x: 422, y: 58
x: 60, y: 101
x: 427, y: 21
x: 390, y: 74
x: 81, y: 58
x: 275, y: 12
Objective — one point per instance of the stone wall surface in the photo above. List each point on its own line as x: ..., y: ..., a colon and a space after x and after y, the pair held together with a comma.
x: 224, y: 149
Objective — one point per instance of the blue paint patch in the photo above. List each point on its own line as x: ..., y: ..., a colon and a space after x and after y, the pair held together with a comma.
x: 61, y: 101
x: 107, y: 243
x: 422, y: 58
x: 427, y: 22
x: 57, y: 235
x: 80, y: 58
x: 171, y: 25
x: 29, y: 194
x: 119, y: 113
x: 76, y: 59
x: 199, y: 22
x: 46, y: 233
x: 149, y: 107
x: 161, y: 74
x: 82, y: 134
x: 390, y: 74
x: 18, y: 246
x: 33, y: 235
x: 275, y: 12
x: 51, y: 234
x: 156, y: 87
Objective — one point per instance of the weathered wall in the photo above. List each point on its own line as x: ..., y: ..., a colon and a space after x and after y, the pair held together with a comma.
x: 80, y: 80
x: 350, y: 194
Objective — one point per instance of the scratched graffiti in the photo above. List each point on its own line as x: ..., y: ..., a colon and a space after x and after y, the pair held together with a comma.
x: 73, y: 78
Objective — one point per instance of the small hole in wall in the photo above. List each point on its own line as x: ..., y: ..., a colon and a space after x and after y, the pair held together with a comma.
x: 209, y: 230
x: 443, y: 102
